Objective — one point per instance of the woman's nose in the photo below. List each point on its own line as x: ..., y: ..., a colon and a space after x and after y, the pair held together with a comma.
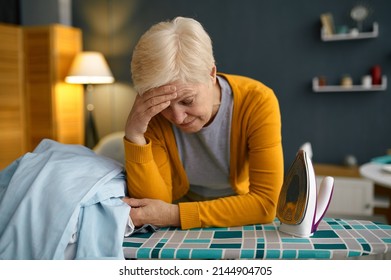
x: 177, y: 115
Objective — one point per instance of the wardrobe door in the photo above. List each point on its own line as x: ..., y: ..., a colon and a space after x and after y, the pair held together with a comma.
x: 54, y: 108
x: 12, y: 125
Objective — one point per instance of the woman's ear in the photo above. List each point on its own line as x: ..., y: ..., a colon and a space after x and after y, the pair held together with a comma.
x: 213, y: 73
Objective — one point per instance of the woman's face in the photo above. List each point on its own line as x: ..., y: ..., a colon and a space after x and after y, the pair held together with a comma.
x: 193, y: 108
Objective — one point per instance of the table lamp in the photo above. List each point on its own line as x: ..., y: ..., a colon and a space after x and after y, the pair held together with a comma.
x: 89, y: 68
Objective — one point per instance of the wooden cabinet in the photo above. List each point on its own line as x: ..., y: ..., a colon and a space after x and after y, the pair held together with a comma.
x: 54, y: 108
x: 12, y: 124
x: 35, y: 101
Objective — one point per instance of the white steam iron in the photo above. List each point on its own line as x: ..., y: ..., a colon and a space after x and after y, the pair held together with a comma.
x: 301, y: 206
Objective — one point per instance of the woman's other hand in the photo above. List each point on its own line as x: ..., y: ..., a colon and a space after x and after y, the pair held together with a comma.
x: 153, y: 211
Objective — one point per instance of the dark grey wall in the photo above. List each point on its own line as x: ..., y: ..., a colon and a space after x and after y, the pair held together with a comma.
x: 277, y: 42
x: 9, y: 11
x: 43, y: 12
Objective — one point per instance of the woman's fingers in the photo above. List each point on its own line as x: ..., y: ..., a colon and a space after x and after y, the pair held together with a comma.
x: 136, y: 212
x: 160, y: 91
x: 158, y: 99
x: 153, y: 211
x: 133, y: 202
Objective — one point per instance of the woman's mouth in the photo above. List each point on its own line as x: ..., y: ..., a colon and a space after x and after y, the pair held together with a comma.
x: 187, y: 123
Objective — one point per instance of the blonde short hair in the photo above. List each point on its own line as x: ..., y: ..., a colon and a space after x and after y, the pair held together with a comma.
x: 177, y: 50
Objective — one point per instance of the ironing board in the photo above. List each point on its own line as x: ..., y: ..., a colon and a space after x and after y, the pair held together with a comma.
x: 335, y: 239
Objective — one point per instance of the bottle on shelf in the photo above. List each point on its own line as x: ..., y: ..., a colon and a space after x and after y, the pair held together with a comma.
x: 376, y: 75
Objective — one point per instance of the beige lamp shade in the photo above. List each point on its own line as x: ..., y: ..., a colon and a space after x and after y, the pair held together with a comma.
x: 89, y: 68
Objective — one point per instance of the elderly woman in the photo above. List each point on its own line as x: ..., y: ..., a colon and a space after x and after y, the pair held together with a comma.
x: 203, y: 149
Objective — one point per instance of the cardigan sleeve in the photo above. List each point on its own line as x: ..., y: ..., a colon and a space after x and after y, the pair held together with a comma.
x: 144, y: 179
x: 154, y: 170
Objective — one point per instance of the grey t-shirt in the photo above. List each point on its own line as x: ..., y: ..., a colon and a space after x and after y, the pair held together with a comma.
x: 205, y: 154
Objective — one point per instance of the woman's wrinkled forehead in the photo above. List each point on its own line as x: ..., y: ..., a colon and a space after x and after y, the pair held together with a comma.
x: 184, y: 88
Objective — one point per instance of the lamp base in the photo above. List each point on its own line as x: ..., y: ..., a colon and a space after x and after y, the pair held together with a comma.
x: 91, y: 135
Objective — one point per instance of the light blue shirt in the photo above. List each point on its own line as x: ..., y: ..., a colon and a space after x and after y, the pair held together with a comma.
x: 55, y: 192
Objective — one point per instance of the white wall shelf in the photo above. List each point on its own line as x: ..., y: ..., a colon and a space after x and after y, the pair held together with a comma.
x: 338, y: 88
x: 351, y: 36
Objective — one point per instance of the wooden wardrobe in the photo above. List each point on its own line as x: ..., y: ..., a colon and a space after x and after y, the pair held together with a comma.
x: 35, y: 102
x: 12, y: 105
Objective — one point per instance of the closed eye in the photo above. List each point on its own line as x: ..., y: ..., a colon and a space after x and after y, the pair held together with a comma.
x: 187, y: 101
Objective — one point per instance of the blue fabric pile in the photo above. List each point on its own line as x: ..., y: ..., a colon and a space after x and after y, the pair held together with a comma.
x: 60, y: 193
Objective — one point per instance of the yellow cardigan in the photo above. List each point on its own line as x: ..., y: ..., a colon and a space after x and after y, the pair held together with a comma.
x: 155, y: 171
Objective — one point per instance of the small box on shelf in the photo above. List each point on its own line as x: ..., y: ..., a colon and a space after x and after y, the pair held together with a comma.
x: 327, y: 24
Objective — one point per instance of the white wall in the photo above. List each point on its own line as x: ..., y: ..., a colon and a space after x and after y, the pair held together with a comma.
x: 112, y: 105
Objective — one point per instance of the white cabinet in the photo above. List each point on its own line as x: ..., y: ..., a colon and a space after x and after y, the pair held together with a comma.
x: 351, y: 196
